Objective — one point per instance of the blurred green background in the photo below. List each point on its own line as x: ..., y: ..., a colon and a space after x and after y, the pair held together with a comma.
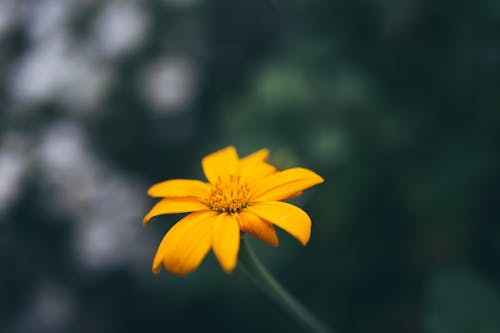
x: 395, y: 103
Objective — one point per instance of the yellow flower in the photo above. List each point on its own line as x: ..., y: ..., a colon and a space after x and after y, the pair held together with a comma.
x: 242, y: 195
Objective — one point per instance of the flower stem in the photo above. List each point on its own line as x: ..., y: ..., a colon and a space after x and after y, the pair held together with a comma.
x: 260, y: 275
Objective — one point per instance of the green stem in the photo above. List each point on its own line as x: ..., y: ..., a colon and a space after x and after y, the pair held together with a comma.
x: 258, y: 273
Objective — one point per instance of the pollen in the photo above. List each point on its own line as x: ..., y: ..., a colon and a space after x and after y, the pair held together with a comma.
x: 228, y: 195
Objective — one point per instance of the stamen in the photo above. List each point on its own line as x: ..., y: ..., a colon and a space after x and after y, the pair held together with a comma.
x: 229, y: 196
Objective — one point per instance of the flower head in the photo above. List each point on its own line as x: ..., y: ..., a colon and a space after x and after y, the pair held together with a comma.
x: 241, y: 195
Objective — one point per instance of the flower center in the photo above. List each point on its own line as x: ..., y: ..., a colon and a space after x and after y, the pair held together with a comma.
x: 228, y: 195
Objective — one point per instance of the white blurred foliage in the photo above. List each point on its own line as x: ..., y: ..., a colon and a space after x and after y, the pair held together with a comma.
x: 110, y: 234
x: 120, y: 27
x: 13, y: 165
x: 106, y: 205
x: 56, y: 69
x: 170, y: 84
x: 46, y: 19
x: 77, y: 74
x: 9, y: 15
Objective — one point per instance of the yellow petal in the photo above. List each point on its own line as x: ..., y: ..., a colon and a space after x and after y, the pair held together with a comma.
x: 253, y: 167
x: 220, y: 164
x: 288, y: 217
x: 226, y: 241
x: 180, y: 188
x: 175, y: 206
x: 257, y: 227
x: 260, y: 155
x: 185, y: 244
x: 284, y: 184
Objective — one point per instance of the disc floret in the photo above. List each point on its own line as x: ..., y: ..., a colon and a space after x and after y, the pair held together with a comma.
x: 228, y: 195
